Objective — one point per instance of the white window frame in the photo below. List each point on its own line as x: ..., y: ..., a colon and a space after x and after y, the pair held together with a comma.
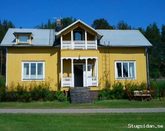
x: 36, y: 62
x: 128, y: 78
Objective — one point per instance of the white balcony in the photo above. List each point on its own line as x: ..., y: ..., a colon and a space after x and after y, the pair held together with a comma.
x: 79, y: 45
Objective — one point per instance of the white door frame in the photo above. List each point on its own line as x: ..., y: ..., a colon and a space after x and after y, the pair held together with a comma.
x: 82, y: 69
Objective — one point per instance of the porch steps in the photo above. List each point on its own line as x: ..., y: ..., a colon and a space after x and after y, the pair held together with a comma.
x: 80, y: 95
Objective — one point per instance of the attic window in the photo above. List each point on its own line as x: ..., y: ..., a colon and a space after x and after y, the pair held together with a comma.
x: 23, y: 37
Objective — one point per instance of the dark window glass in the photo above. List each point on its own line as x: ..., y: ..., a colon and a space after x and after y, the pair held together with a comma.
x: 119, y: 70
x: 125, y: 69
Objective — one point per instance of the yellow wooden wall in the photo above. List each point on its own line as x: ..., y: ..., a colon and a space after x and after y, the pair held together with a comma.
x: 51, y: 56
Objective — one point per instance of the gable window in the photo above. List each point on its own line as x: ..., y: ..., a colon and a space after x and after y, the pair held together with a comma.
x: 125, y: 69
x: 33, y: 70
x: 78, y: 35
x: 23, y: 39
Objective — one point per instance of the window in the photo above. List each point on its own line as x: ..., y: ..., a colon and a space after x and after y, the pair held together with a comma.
x: 125, y: 69
x: 78, y: 35
x: 23, y: 39
x: 33, y: 70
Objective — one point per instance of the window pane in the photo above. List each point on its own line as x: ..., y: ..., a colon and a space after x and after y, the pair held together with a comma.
x: 26, y: 71
x: 119, y: 70
x: 125, y: 69
x: 40, y: 71
x: 131, y: 70
x: 33, y: 70
x: 23, y: 38
x: 78, y: 35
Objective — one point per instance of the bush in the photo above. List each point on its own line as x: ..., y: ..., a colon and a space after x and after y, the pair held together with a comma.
x: 22, y: 94
x: 105, y: 94
x: 130, y: 87
x: 2, y: 88
x: 41, y: 92
x: 60, y: 96
x: 158, y: 86
x: 36, y: 92
x: 118, y: 90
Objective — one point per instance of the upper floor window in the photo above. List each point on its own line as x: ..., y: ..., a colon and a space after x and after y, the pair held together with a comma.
x: 78, y: 35
x: 23, y: 39
x: 125, y: 69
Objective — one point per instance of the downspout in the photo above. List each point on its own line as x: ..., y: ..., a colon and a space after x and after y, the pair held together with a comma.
x: 147, y: 67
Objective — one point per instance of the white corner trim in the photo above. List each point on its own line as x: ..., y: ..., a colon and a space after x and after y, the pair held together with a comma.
x: 6, y: 83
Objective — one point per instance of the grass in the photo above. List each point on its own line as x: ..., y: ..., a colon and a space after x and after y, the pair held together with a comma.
x: 78, y: 122
x: 98, y: 104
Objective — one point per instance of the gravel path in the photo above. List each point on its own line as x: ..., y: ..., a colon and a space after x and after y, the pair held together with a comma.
x: 110, y: 110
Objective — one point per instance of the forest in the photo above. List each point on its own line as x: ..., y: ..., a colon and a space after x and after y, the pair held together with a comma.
x: 155, y: 34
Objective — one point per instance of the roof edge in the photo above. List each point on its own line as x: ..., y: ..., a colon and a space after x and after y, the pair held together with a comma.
x: 58, y: 33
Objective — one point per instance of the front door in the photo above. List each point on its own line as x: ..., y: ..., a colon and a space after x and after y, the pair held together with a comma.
x: 78, y: 75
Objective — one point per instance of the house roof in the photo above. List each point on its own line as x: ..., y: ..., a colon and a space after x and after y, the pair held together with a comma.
x: 123, y: 38
x: 113, y: 38
x: 41, y: 37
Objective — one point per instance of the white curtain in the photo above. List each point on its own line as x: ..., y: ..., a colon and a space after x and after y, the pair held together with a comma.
x: 131, y: 70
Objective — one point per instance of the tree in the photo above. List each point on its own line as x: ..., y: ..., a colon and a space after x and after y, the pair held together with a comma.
x: 163, y: 33
x: 67, y: 21
x: 52, y: 25
x: 101, y: 24
x: 123, y: 26
x: 141, y: 30
x: 153, y: 33
x: 4, y: 25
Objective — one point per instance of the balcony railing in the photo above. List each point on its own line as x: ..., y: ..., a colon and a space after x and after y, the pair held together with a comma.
x: 78, y: 45
x: 67, y: 81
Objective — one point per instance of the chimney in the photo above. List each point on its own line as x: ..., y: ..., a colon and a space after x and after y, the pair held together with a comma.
x: 58, y: 24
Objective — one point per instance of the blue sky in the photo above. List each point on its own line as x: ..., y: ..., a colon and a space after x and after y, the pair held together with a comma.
x: 29, y: 13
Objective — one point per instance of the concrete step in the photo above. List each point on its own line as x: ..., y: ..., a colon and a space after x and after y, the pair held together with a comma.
x: 80, y: 95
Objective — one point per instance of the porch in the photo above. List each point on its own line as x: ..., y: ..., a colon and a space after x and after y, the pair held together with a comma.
x: 79, y: 72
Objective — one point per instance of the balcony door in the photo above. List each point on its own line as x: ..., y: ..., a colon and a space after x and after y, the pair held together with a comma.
x: 79, y: 35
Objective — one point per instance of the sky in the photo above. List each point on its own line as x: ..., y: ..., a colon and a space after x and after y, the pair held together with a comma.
x: 30, y: 13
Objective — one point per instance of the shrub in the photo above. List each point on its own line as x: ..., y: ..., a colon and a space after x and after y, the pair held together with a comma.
x: 158, y: 86
x: 60, y: 96
x: 105, y: 94
x: 22, y: 94
x: 130, y: 87
x: 118, y: 90
x: 40, y: 92
x: 2, y: 88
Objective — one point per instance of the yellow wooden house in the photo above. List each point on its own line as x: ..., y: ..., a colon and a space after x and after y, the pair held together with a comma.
x: 76, y: 56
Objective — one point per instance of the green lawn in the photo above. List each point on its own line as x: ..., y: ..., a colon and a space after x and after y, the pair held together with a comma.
x: 79, y: 122
x: 98, y: 104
